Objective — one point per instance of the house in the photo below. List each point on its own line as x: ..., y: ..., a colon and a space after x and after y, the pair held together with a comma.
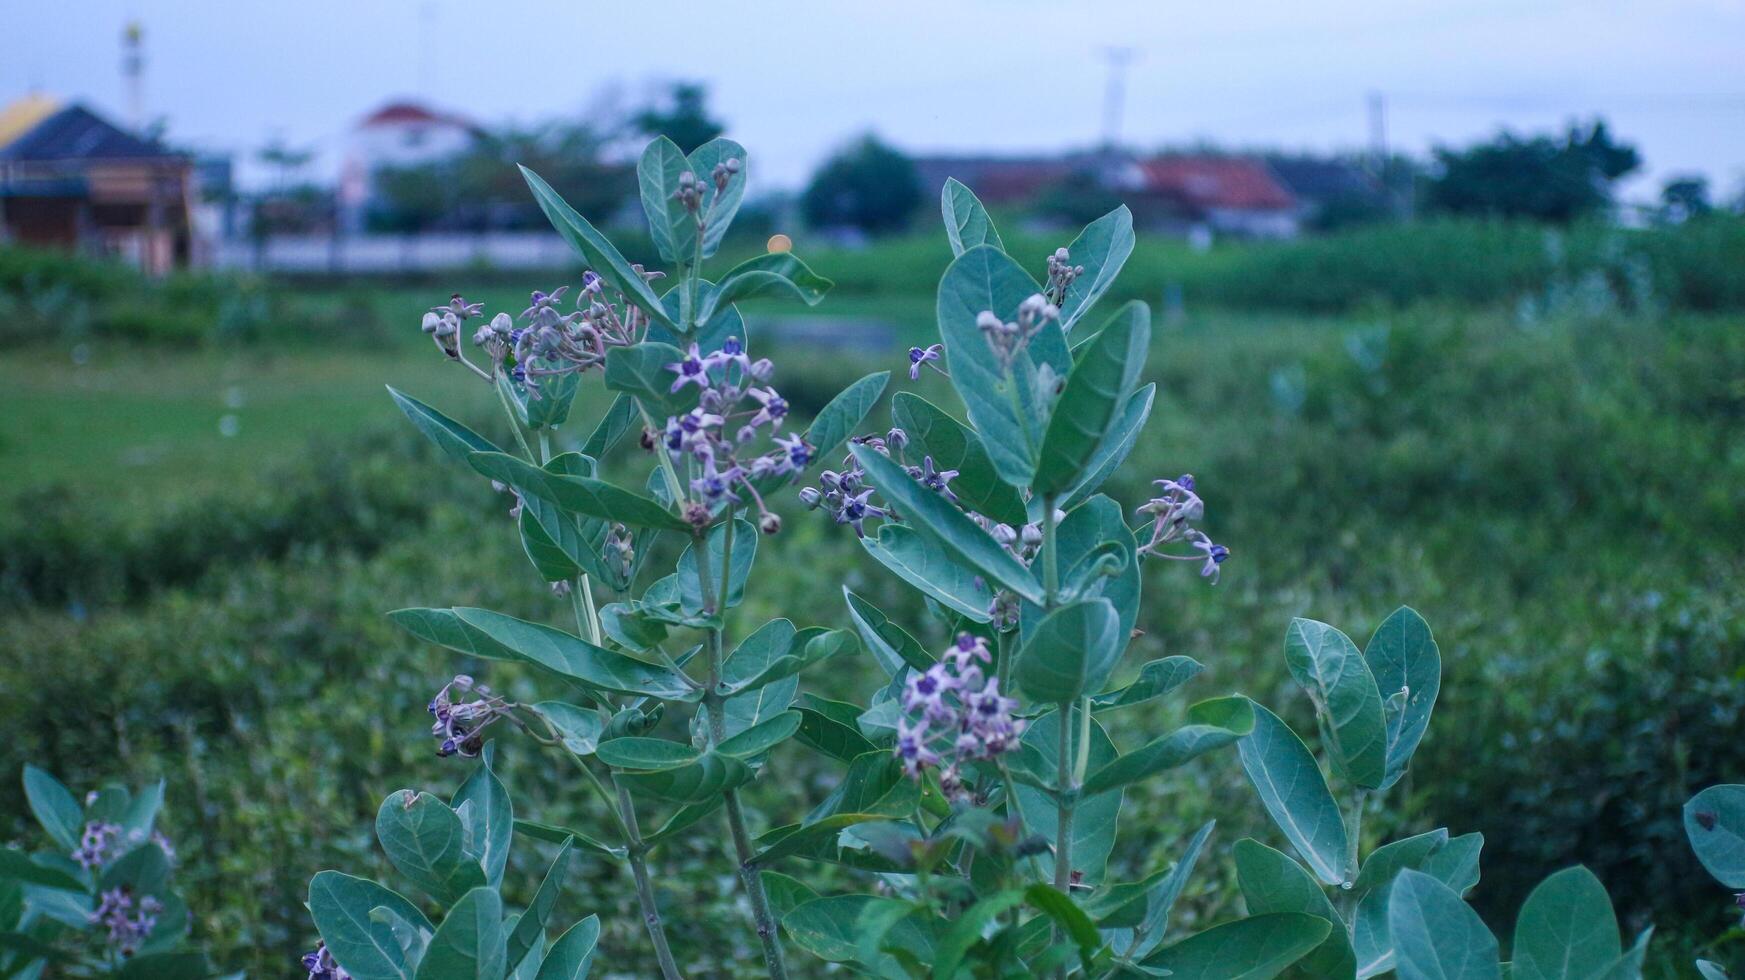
x: 399, y: 134
x: 1223, y: 195
x: 1330, y: 191
x: 995, y: 180
x: 71, y: 179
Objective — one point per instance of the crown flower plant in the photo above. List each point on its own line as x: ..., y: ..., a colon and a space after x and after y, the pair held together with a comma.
x: 979, y: 780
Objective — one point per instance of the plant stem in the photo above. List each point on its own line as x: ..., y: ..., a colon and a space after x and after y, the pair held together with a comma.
x: 674, y: 487
x: 1063, y: 826
x: 514, y: 425
x: 644, y: 890
x: 1355, y: 833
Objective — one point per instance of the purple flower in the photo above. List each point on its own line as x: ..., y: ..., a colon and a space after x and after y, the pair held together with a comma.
x: 926, y: 692
x: 854, y: 510
x: 321, y: 966
x: 923, y: 355
x: 691, y: 370
x: 968, y: 649
x: 1215, y: 555
x: 715, y: 484
x: 128, y: 921
x: 774, y: 407
x: 936, y: 480
x: 97, y: 844
x: 799, y: 455
x: 912, y: 748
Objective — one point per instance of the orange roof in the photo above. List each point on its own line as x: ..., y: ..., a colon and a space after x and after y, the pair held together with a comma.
x: 1217, y: 182
x: 395, y: 113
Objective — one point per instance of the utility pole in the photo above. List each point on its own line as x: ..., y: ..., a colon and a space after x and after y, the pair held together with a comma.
x: 133, y: 72
x: 1378, y: 132
x: 1115, y: 94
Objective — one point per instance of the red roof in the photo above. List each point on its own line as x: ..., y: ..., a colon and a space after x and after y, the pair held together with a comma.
x: 1216, y: 182
x: 396, y: 113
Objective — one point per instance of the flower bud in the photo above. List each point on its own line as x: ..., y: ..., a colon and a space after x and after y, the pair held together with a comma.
x: 769, y: 523
x: 430, y: 323
x: 811, y: 498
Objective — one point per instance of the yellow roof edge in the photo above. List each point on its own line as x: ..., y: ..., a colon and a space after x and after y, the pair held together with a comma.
x: 22, y: 115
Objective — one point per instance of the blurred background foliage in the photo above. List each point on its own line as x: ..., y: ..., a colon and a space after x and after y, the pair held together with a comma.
x: 1529, y: 434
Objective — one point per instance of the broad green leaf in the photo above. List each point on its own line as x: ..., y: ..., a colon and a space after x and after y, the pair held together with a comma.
x: 53, y: 805
x: 554, y: 834
x: 595, y: 250
x: 1387, y: 860
x: 444, y: 628
x: 1714, y: 820
x: 562, y: 545
x: 785, y: 893
x: 1070, y: 652
x: 575, y: 658
x: 469, y: 943
x: 570, y: 957
x: 1325, y: 663
x: 970, y: 928
x: 549, y: 560
x: 1089, y: 405
x: 1566, y: 930
x: 1096, y: 815
x: 1116, y: 445
x: 1403, y: 657
x: 672, y: 226
x: 774, y: 274
x: 1437, y: 936
x: 17, y: 866
x: 683, y: 818
x: 425, y: 840
x: 580, y: 728
x: 1066, y: 913
x: 917, y: 560
x: 578, y: 494
x: 1176, y: 748
x: 1129, y: 905
x: 710, y: 775
x: 1272, y: 882
x: 1102, y: 248
x: 933, y: 432
x: 1629, y: 965
x: 762, y: 737
x: 619, y: 421
x: 719, y: 207
x: 645, y: 753
x: 966, y: 222
x: 1161, y: 898
x: 828, y: 927
x: 1294, y: 792
x: 1256, y: 948
x: 805, y: 839
x: 756, y: 706
x: 1156, y: 679
x: 873, y: 784
x: 711, y: 336
x: 891, y: 645
x: 744, y: 554
x: 1710, y: 970
x: 548, y: 404
x: 454, y: 439
x: 488, y: 817
x: 641, y: 371
x: 142, y: 811
x: 1088, y: 535
x: 529, y: 932
x: 1001, y: 403
x: 1455, y: 863
x: 366, y: 948
x: 843, y: 414
x: 943, y: 522
x: 145, y: 870
x: 833, y: 737
x: 810, y: 646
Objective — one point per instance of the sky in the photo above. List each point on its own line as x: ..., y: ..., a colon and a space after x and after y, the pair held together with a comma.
x: 796, y: 79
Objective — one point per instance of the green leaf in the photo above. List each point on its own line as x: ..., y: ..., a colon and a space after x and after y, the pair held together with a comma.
x: 756, y: 706
x: 771, y: 659
x: 1714, y: 820
x: 1095, y: 815
x: 1710, y: 970
x: 672, y: 226
x: 1294, y: 792
x: 529, y: 932
x: 1436, y: 935
x: 953, y: 446
x: 1566, y: 930
x: 1272, y: 882
x: 806, y: 839
x: 916, y: 560
x: 710, y: 775
x: 891, y: 645
x: 719, y: 207
x: 1176, y: 748
x: 425, y: 840
x: 1089, y: 405
x: 969, y: 929
x: 1102, y: 248
x: 553, y: 834
x: 774, y: 274
x: 744, y: 554
x: 17, y: 866
x: 166, y: 966
x: 762, y: 737
x: 469, y: 944
x: 823, y: 733
x: 1160, y: 894
x: 548, y: 405
x: 1072, y: 919
x: 488, y: 817
x: 580, y: 728
x: 1629, y: 965
x: 570, y: 957
x: 613, y: 426
x: 1116, y: 445
x: 874, y: 784
x: 575, y: 658
x: 595, y: 250
x: 1156, y: 679
x: 843, y: 414
x: 1387, y: 860
x: 1455, y: 863
x: 454, y: 439
x: 645, y: 753
x: 1403, y: 657
x: 1255, y: 948
x: 939, y: 519
x: 1070, y: 652
x: 966, y: 222
x: 53, y: 806
x: 828, y: 927
x: 578, y: 494
x: 1086, y: 540
x: 1001, y: 403
x: 365, y: 947
x: 561, y: 545
x: 444, y: 628
x: 1325, y: 663
x: 641, y: 371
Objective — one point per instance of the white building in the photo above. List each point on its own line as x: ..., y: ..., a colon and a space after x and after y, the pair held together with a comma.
x: 399, y: 134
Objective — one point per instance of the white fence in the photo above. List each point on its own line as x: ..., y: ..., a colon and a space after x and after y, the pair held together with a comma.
x: 375, y: 254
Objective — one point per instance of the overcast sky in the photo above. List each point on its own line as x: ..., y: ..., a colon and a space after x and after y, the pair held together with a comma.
x: 794, y: 79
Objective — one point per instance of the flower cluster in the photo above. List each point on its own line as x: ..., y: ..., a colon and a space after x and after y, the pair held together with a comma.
x: 962, y: 716
x: 1061, y: 273
x: 460, y: 725
x: 734, y: 403
x: 1172, y: 513
x: 321, y: 964
x: 127, y: 921
x: 690, y: 192
x: 97, y: 844
x: 1007, y: 339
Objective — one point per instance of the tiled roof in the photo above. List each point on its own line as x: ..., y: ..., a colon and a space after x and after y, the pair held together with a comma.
x: 1216, y: 182
x: 77, y: 133
x: 395, y: 113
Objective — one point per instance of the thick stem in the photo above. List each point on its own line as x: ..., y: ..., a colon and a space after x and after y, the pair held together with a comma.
x: 1063, y: 827
x: 644, y: 889
x: 1354, y: 834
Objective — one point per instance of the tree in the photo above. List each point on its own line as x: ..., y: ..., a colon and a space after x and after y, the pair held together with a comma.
x: 867, y: 185
x: 1539, y: 177
x: 1684, y: 197
x: 685, y: 121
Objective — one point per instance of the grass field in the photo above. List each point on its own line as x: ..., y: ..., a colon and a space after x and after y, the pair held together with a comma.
x: 1561, y: 494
